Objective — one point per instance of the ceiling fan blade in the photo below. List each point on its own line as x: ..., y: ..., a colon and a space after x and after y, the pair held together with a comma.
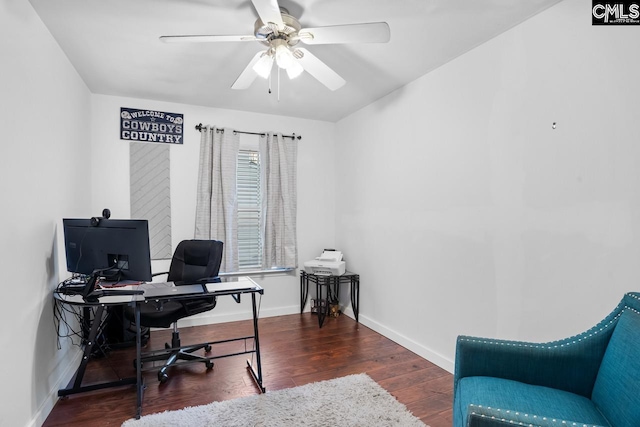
x: 269, y: 11
x: 248, y: 75
x: 207, y: 39
x: 372, y: 32
x: 320, y: 70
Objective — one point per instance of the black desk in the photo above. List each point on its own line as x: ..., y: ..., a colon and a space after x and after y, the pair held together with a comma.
x: 331, y: 285
x: 237, y: 287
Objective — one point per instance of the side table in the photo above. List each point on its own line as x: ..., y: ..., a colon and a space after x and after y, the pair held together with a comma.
x: 331, y: 286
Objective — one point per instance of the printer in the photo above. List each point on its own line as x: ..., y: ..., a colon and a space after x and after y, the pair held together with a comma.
x: 328, y: 264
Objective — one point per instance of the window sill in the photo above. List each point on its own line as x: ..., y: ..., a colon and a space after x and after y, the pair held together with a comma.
x: 257, y: 272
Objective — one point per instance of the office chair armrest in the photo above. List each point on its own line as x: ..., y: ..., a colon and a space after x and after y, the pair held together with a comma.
x: 198, y: 282
x: 199, y: 305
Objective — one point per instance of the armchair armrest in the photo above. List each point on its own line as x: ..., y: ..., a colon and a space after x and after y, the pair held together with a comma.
x: 480, y: 416
x: 570, y: 364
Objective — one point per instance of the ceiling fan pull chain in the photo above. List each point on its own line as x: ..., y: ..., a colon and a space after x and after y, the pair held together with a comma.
x: 278, y: 83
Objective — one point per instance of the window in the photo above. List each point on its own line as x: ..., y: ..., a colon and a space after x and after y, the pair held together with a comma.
x: 249, y: 210
x: 231, y: 206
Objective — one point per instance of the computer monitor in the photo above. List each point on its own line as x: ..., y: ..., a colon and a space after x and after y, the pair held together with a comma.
x: 116, y: 249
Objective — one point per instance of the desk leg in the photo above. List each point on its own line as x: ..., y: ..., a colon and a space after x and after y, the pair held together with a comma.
x: 257, y: 377
x: 139, y: 384
x: 91, y: 340
x: 322, y: 312
x: 355, y: 295
x: 304, y: 291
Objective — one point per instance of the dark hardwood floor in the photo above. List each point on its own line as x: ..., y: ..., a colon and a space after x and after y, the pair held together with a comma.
x: 294, y: 352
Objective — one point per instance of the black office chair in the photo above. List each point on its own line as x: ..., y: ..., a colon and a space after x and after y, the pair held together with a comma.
x: 193, y: 261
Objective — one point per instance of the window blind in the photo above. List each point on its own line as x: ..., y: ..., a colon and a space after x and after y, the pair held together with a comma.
x: 249, y: 210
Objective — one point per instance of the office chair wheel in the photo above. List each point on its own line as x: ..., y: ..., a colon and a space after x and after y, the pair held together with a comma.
x: 163, y: 377
x: 209, y: 365
x: 207, y: 348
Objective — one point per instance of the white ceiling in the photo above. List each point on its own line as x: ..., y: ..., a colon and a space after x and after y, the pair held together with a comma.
x: 115, y: 48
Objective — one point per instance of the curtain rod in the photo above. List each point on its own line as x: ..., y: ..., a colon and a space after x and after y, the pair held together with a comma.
x: 199, y: 128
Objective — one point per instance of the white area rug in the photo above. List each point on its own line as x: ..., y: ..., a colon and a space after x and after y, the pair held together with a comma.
x: 355, y: 400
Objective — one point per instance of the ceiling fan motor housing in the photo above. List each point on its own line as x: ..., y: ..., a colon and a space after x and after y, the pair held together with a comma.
x: 266, y: 32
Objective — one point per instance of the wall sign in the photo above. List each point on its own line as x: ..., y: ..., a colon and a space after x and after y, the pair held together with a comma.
x: 150, y: 126
x: 619, y: 12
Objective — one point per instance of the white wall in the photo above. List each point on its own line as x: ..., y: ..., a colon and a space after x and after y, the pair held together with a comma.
x: 44, y: 155
x: 466, y: 213
x: 461, y: 208
x: 316, y: 213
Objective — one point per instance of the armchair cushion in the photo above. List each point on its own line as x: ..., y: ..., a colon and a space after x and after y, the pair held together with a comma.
x: 530, y: 401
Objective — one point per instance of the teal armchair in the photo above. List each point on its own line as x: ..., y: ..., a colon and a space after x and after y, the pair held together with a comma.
x: 591, y: 379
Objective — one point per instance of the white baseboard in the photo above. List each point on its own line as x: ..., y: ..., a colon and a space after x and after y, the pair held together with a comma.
x: 419, y: 349
x: 40, y: 416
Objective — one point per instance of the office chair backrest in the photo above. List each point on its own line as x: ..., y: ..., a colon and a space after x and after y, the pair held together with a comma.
x: 194, y: 260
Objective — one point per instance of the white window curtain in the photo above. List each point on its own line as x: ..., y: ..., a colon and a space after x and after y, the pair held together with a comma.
x: 278, y: 159
x: 217, y: 202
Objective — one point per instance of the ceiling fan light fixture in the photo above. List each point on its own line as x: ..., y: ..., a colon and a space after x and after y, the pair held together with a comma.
x: 284, y: 57
x: 264, y: 65
x: 294, y: 70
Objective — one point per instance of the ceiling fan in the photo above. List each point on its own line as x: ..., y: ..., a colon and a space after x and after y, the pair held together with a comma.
x: 281, y: 33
